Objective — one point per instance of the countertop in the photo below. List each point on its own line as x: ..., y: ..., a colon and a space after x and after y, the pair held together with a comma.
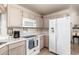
x: 10, y: 40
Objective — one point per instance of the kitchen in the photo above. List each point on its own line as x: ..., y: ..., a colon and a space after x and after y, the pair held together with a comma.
x: 26, y: 32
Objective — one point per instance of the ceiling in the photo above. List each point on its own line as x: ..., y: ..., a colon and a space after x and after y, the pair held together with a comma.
x: 45, y: 9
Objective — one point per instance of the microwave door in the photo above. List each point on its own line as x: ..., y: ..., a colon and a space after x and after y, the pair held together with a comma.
x: 29, y: 22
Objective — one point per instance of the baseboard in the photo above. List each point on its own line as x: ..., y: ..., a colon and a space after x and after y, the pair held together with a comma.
x: 53, y: 53
x: 50, y: 51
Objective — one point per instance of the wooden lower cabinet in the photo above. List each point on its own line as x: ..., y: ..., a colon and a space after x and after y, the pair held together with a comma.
x: 17, y: 48
x: 4, y: 50
x: 17, y: 51
x: 41, y: 42
x: 46, y: 41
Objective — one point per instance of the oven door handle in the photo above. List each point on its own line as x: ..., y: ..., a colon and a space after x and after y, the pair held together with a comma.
x: 37, y: 42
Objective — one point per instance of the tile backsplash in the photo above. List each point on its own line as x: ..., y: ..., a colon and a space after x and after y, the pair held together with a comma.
x: 29, y: 30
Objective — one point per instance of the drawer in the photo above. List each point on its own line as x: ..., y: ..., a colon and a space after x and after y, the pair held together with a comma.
x: 30, y: 52
x: 14, y: 45
x: 20, y: 50
x: 36, y: 52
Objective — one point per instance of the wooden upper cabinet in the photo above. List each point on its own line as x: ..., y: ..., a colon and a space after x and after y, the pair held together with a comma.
x: 25, y: 14
x: 46, y: 22
x: 40, y: 22
x: 14, y: 16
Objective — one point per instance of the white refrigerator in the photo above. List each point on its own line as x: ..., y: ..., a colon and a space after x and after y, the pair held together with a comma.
x: 60, y: 35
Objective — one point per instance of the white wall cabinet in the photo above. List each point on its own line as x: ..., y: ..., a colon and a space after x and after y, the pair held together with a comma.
x: 4, y: 50
x: 14, y: 16
x: 17, y: 48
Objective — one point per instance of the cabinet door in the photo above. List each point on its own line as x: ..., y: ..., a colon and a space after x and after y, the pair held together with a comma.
x: 4, y: 50
x: 15, y: 49
x: 41, y: 42
x: 20, y: 50
x: 46, y: 23
x: 39, y: 22
x: 46, y: 40
x: 14, y: 16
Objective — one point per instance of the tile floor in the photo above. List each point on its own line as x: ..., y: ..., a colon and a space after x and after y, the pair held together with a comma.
x: 45, y: 51
x: 74, y: 50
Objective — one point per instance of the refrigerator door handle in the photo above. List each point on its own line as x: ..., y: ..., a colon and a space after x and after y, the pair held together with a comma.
x: 52, y: 29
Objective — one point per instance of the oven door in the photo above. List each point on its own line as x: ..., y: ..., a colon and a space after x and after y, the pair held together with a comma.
x: 31, y: 44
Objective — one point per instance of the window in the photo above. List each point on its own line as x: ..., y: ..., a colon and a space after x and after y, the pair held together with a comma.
x: 3, y: 26
x: 0, y: 23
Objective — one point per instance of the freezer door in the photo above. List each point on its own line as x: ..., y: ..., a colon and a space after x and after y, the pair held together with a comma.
x: 52, y: 35
x: 63, y: 35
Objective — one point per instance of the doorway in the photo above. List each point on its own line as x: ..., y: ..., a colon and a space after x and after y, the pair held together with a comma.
x: 75, y: 40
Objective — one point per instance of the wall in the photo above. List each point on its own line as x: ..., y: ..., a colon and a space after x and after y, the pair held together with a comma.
x: 72, y: 12
x: 3, y: 24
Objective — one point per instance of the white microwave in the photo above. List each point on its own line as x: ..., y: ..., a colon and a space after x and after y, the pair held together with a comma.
x: 29, y: 22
